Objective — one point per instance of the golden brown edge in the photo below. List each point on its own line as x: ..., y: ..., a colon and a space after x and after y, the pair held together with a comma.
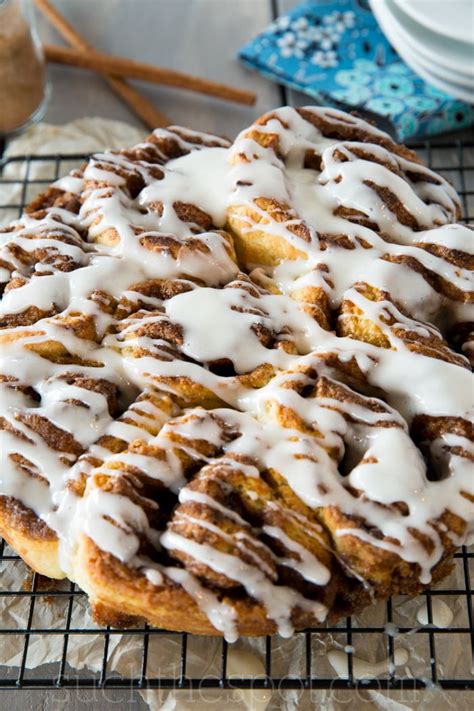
x: 30, y: 537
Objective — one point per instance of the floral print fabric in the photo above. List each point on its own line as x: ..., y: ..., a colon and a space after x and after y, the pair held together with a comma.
x: 334, y: 51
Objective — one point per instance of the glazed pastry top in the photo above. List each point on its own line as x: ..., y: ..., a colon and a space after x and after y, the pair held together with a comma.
x: 296, y: 302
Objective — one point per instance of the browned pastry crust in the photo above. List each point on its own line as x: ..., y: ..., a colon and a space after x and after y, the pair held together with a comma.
x: 135, y: 601
x: 30, y: 537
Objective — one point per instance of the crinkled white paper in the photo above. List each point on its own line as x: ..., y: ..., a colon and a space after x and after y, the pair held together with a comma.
x: 82, y: 136
x: 246, y: 658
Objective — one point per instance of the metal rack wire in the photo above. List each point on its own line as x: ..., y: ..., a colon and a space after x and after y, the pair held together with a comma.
x: 456, y: 161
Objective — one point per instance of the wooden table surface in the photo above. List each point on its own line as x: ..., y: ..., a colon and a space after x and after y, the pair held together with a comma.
x: 197, y: 36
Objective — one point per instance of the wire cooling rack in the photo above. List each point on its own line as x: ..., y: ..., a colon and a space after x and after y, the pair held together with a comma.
x: 379, y: 626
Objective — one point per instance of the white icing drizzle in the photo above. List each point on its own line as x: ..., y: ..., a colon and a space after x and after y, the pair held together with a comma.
x: 142, y: 289
x: 279, y: 601
x: 220, y: 614
x: 187, y: 494
x: 361, y: 669
x: 306, y: 564
x: 243, y: 663
x: 441, y: 614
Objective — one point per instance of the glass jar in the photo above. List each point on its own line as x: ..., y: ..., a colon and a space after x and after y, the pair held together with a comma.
x: 24, y: 88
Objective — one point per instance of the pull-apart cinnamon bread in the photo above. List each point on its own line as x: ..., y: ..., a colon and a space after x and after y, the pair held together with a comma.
x: 236, y: 392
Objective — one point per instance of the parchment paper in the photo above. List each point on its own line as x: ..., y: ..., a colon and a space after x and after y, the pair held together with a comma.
x: 85, y: 652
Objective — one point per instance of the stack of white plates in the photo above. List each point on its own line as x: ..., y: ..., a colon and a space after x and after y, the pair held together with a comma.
x: 435, y: 38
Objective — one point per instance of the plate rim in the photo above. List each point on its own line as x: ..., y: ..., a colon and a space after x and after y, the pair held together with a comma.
x: 427, y: 53
x: 413, y: 11
x: 440, y: 84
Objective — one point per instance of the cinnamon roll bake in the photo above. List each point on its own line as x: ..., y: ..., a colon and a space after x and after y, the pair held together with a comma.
x: 235, y: 377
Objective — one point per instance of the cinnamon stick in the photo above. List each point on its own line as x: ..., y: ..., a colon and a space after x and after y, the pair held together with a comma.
x: 123, y: 67
x: 141, y: 106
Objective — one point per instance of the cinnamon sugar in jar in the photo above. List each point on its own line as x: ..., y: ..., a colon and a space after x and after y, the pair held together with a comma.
x: 23, y: 83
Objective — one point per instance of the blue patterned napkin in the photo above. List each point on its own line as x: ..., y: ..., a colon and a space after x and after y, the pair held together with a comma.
x: 335, y: 51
